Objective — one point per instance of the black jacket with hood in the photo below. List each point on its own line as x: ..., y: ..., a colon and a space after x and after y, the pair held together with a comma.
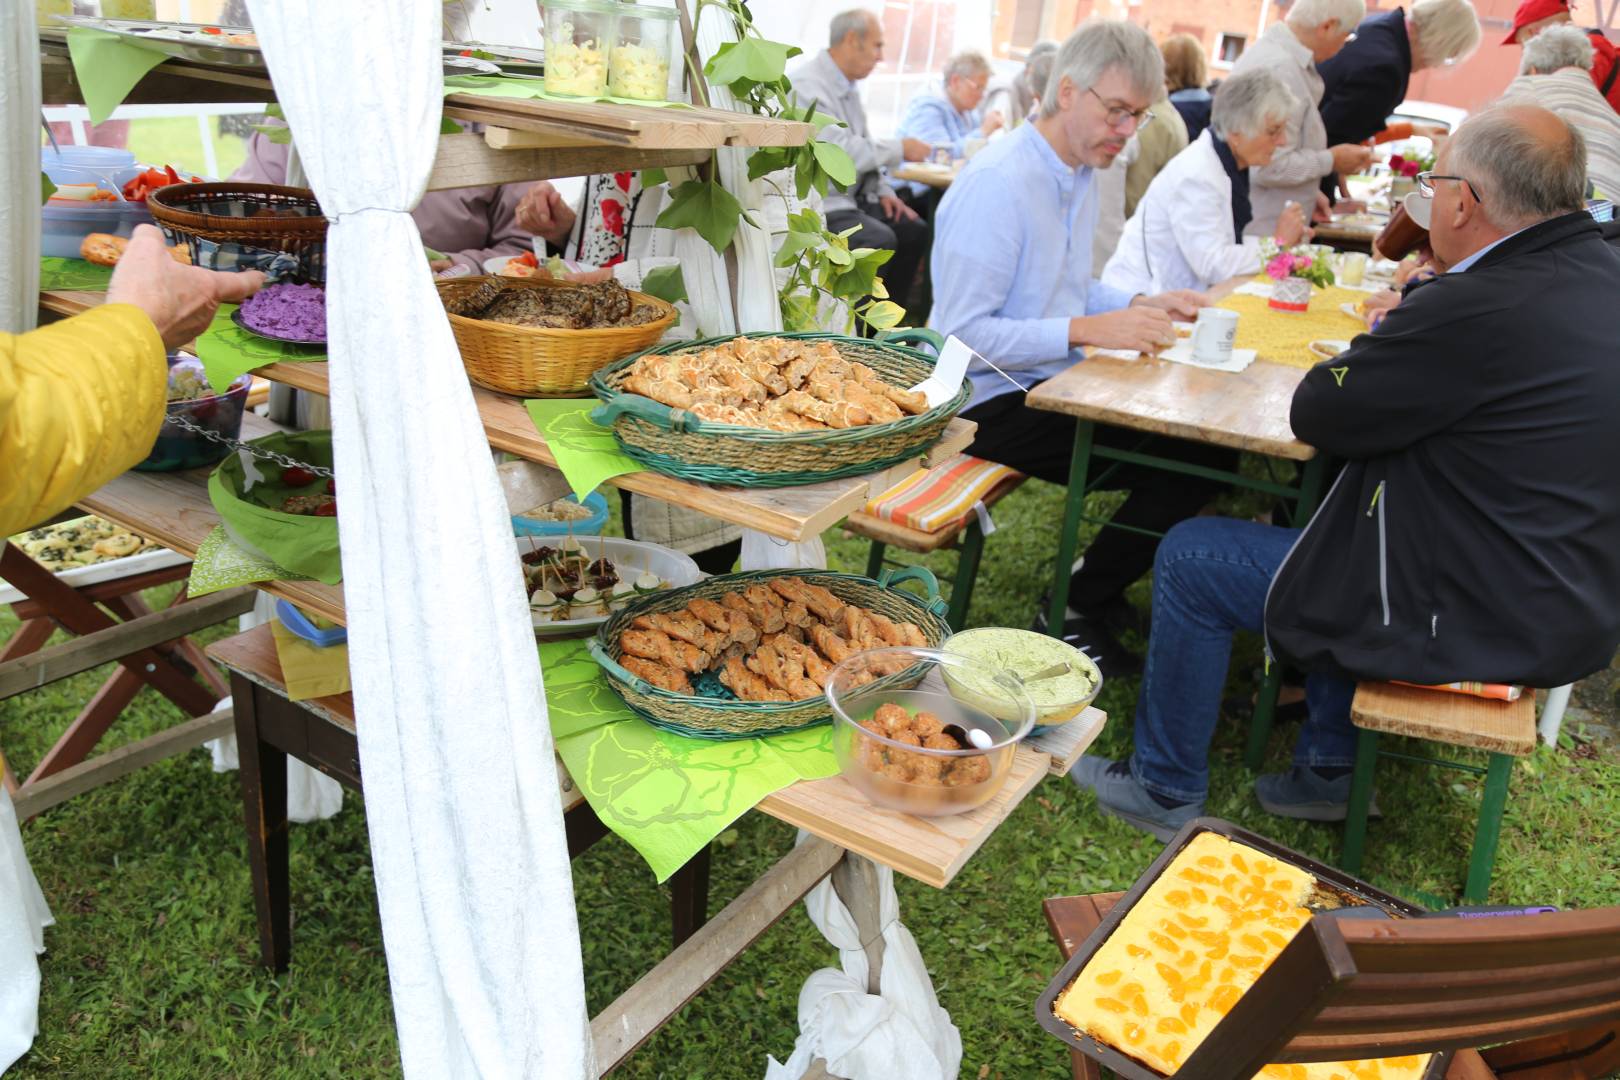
x: 1474, y: 533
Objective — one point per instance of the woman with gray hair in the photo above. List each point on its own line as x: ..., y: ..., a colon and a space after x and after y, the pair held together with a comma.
x: 1188, y: 230
x: 1314, y: 31
x: 1557, y: 76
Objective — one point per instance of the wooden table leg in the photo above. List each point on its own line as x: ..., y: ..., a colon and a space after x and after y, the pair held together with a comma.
x: 263, y: 773
x: 29, y: 637
x: 90, y: 725
x: 1069, y: 538
x: 689, y: 896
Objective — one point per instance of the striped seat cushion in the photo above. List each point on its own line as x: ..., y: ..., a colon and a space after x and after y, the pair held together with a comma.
x: 930, y: 500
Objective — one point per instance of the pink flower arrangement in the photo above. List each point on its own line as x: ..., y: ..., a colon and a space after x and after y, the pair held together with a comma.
x: 1284, y: 264
x: 1402, y: 167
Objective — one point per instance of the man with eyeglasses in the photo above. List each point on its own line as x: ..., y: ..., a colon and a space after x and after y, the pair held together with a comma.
x: 1012, y: 279
x: 1314, y: 31
x: 1474, y: 532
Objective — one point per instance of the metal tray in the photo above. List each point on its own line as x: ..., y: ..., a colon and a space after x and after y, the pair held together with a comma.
x: 511, y: 59
x: 1128, y: 1068
x: 241, y: 323
x: 183, y: 41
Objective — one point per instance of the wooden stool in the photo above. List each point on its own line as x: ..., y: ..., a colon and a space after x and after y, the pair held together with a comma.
x: 1504, y: 729
x: 885, y: 534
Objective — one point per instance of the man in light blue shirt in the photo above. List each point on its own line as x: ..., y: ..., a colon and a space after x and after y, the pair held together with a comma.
x: 947, y: 120
x: 1012, y: 271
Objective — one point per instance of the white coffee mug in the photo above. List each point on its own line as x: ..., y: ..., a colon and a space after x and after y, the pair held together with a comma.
x: 1213, y: 335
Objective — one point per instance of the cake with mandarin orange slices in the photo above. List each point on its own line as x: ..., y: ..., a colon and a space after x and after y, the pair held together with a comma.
x: 1184, y: 954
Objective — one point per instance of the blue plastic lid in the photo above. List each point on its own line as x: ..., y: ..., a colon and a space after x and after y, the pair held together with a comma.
x: 100, y: 157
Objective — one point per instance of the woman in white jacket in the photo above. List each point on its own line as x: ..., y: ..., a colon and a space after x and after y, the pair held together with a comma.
x: 1187, y: 232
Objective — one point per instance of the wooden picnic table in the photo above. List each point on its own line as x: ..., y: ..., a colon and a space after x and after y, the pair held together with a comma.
x: 1245, y: 410
x: 927, y: 174
x: 1346, y: 235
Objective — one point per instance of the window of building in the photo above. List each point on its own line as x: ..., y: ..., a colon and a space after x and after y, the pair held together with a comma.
x: 1228, y: 47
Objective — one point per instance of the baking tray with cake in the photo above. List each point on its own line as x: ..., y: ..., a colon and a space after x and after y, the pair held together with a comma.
x: 1195, y: 932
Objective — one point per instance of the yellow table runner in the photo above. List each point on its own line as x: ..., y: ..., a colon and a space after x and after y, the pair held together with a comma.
x: 1283, y: 337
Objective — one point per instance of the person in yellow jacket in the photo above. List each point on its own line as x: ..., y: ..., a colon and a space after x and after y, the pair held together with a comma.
x: 81, y: 400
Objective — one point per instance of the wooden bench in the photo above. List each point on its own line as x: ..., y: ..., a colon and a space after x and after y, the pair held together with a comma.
x: 1505, y: 730
x: 1445, y: 970
x: 885, y: 534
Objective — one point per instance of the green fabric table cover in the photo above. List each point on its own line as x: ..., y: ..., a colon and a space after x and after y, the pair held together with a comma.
x: 586, y: 452
x: 507, y: 86
x: 666, y: 795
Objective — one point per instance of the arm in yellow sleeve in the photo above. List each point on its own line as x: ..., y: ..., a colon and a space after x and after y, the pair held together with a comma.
x: 80, y: 402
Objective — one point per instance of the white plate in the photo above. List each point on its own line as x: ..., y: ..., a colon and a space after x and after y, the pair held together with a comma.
x: 1327, y: 349
x: 1350, y: 310
x: 139, y: 563
x: 498, y: 263
x: 633, y: 555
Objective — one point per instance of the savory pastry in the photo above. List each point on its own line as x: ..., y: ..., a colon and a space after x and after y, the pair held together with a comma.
x: 103, y: 249
x: 660, y: 675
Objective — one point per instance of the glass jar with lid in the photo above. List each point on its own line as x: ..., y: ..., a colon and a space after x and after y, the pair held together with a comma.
x: 643, y: 49
x: 579, y: 37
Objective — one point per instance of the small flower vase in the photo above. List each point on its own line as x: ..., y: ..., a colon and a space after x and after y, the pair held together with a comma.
x: 1400, y: 187
x: 1291, y: 294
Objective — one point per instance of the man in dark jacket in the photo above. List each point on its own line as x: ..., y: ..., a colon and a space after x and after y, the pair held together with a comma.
x: 1474, y: 533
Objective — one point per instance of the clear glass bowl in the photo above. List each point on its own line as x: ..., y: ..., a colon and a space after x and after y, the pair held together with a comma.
x: 579, y: 37
x: 1059, y: 678
x: 890, y: 764
x: 176, y: 448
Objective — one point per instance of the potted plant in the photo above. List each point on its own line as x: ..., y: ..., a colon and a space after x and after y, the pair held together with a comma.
x: 1404, y: 170
x: 1294, y: 271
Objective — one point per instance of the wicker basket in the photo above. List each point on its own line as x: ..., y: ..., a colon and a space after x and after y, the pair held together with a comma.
x: 542, y: 361
x: 729, y: 718
x: 676, y: 443
x: 243, y: 215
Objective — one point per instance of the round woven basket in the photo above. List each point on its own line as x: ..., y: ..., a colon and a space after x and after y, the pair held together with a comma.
x: 273, y: 218
x: 676, y: 443
x: 729, y: 718
x: 542, y: 361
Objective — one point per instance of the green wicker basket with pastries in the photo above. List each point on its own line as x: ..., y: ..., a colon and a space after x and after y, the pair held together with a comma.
x: 744, y: 655
x: 774, y: 410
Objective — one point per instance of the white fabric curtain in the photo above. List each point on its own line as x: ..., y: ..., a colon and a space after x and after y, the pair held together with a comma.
x: 461, y: 791
x: 23, y: 912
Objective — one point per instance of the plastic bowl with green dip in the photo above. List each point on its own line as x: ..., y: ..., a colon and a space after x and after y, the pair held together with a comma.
x: 1060, y: 679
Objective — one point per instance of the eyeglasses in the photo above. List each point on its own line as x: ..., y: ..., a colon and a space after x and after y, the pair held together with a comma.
x: 1118, y: 114
x: 1425, y: 184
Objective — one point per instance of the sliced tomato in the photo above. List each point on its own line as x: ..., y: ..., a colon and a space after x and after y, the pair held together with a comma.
x: 297, y: 476
x: 527, y: 259
x: 174, y: 177
x: 326, y: 510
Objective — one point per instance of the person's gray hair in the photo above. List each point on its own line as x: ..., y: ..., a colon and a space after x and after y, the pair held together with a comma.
x: 1446, y: 30
x: 1100, y: 45
x: 1556, y: 48
x: 969, y: 65
x: 1344, y: 13
x: 1247, y: 101
x: 1038, y: 67
x: 1526, y: 164
x: 857, y: 21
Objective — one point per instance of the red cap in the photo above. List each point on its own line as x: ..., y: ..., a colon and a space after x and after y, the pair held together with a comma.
x: 1534, y: 11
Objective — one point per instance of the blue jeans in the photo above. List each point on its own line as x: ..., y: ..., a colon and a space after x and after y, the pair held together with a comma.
x: 1210, y: 578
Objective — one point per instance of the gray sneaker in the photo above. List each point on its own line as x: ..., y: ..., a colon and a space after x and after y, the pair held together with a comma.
x: 1301, y: 793
x: 1120, y: 795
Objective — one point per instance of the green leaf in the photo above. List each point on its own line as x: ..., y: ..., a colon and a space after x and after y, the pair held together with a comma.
x: 448, y: 126
x: 706, y: 207
x: 839, y: 256
x: 809, y: 114
x: 666, y: 283
x: 755, y: 59
x: 837, y: 164
x: 653, y: 177
x: 883, y: 314
x: 274, y: 110
x: 277, y: 133
x: 766, y: 161
x: 793, y: 245
x: 46, y: 188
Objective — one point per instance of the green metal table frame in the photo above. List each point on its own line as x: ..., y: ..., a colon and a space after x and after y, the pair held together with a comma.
x: 1304, y: 494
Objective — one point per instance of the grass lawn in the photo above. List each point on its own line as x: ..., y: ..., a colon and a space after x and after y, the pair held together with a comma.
x: 151, y: 968
x: 175, y: 140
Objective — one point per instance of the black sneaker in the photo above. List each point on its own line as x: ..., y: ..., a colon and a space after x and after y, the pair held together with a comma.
x: 1094, y: 639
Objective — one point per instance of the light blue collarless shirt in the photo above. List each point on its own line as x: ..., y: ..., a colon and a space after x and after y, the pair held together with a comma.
x: 1012, y: 261
x: 1465, y: 263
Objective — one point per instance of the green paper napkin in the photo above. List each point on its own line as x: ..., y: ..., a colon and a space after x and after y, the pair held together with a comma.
x: 75, y: 274
x: 505, y: 86
x: 107, y: 67
x: 587, y: 453
x: 667, y: 795
x: 221, y: 563
x: 226, y: 350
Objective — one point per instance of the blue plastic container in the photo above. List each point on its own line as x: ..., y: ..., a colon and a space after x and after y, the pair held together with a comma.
x: 299, y: 624
x: 595, y: 502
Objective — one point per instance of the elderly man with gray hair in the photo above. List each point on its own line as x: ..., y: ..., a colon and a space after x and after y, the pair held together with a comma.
x: 1015, y: 98
x: 1313, y: 32
x: 829, y: 79
x: 1474, y: 532
x: 1187, y: 232
x: 1011, y: 279
x: 1557, y: 75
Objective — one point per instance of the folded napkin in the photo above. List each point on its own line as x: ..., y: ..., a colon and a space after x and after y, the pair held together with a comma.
x: 933, y: 499
x: 310, y: 671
